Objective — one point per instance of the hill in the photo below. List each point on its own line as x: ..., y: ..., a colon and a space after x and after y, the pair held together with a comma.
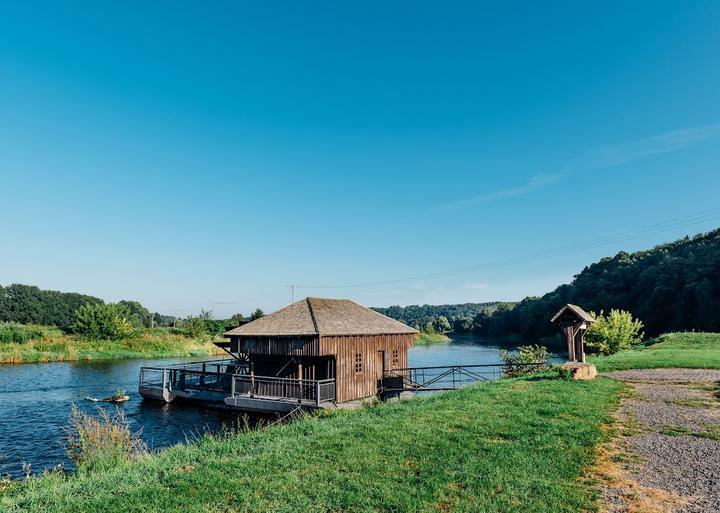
x: 28, y: 304
x: 671, y: 287
x: 460, y: 318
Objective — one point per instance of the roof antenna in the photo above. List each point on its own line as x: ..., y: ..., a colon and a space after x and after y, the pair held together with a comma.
x: 292, y: 292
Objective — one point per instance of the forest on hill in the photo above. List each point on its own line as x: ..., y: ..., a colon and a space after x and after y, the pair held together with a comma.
x: 459, y: 318
x: 671, y: 287
x: 27, y: 304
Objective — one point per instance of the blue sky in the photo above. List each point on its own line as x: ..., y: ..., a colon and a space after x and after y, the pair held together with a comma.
x: 192, y: 155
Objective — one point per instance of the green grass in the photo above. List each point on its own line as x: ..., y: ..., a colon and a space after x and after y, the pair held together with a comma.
x: 512, y: 446
x: 680, y: 350
x: 431, y: 339
x: 51, y: 345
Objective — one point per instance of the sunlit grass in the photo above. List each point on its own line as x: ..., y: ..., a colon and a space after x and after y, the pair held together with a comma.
x: 514, y: 446
x: 55, y: 346
x: 678, y: 350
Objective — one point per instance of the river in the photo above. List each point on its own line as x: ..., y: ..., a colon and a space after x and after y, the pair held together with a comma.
x: 35, y: 402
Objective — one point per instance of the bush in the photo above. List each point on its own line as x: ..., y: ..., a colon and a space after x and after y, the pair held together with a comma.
x: 614, y: 332
x: 20, y: 333
x: 518, y: 363
x: 102, y: 321
x: 101, y: 441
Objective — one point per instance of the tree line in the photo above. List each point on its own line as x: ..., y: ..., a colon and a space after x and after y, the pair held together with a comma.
x: 28, y: 304
x: 671, y: 287
x: 460, y: 318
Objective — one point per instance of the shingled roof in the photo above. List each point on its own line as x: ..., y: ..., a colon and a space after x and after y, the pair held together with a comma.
x: 579, y: 312
x: 319, y: 316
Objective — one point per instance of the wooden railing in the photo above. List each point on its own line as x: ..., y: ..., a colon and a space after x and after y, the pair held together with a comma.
x: 315, y: 391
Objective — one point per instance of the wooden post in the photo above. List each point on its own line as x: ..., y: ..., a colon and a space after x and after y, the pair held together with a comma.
x: 317, y: 393
x: 570, y: 334
x: 299, y: 382
x: 252, y: 381
x: 300, y: 394
x: 581, y: 345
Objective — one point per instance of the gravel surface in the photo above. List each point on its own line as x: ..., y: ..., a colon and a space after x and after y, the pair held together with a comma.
x: 669, y: 449
x: 677, y: 375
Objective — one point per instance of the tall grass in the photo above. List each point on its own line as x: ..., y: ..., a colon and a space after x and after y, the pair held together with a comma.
x: 12, y: 332
x: 103, y: 441
x: 56, y: 346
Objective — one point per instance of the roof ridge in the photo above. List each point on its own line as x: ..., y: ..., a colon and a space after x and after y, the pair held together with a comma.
x: 312, y: 315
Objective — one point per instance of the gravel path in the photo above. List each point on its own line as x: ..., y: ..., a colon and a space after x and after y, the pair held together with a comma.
x: 666, y: 457
x: 675, y: 375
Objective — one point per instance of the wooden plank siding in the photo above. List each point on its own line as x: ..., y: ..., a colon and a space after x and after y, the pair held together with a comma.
x: 351, y: 384
x: 281, y: 346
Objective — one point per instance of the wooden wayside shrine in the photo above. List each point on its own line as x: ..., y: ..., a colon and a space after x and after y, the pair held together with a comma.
x: 573, y: 321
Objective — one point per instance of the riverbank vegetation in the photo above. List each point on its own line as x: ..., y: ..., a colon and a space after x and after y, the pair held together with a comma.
x: 518, y: 445
x: 32, y: 344
x: 671, y: 287
x: 431, y: 338
x: 673, y: 350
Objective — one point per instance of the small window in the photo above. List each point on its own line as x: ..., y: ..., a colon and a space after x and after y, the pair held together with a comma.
x: 395, y: 358
x: 298, y: 344
x: 358, y: 362
x: 250, y: 343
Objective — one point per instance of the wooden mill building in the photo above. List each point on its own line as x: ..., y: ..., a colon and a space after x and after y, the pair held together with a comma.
x: 334, y: 343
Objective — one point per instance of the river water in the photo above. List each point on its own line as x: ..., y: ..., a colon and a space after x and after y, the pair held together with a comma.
x: 36, y: 399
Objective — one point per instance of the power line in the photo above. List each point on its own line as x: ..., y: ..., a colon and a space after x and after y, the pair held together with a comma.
x: 680, y: 222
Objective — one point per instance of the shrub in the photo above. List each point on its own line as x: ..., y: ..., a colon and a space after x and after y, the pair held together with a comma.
x: 614, y: 332
x: 102, y: 321
x: 20, y: 333
x: 517, y: 363
x: 101, y: 441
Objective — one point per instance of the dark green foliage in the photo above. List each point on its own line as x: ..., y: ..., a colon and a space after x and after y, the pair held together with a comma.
x: 27, y: 304
x: 138, y: 315
x: 257, y: 314
x: 204, y: 325
x: 108, y: 322
x: 521, y: 362
x: 164, y: 320
x: 30, y: 305
x: 461, y: 318
x: 672, y: 287
x: 20, y: 333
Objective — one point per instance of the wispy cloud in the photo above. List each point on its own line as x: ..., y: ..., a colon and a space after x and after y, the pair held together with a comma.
x: 598, y: 158
x: 618, y: 154
x: 536, y: 182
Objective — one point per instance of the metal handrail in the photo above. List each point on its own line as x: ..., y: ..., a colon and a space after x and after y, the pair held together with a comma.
x: 444, y: 377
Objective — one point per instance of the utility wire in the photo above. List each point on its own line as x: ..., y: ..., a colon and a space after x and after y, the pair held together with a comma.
x: 680, y: 222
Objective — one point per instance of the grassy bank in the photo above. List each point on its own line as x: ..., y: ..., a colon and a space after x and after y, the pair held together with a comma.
x: 690, y: 350
x: 52, y: 345
x: 430, y: 339
x: 511, y: 446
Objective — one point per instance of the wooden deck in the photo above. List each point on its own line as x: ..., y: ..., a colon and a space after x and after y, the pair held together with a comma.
x: 230, y: 383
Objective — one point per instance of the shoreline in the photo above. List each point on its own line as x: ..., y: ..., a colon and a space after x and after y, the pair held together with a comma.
x: 67, y: 348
